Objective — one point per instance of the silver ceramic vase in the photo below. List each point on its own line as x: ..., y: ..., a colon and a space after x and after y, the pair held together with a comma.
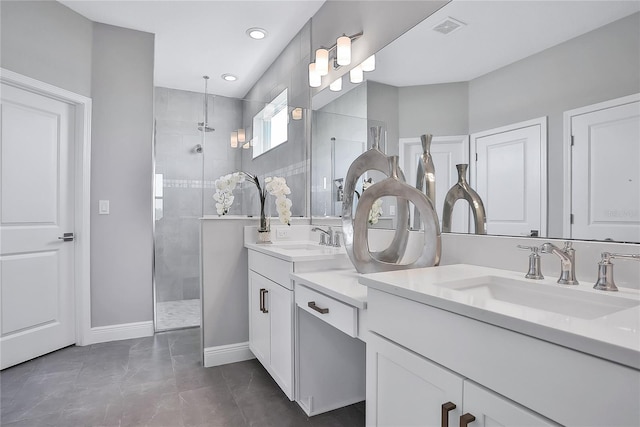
x: 425, y: 176
x: 462, y: 190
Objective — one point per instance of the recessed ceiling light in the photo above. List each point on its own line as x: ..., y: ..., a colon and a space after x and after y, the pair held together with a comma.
x: 257, y: 33
x: 229, y: 77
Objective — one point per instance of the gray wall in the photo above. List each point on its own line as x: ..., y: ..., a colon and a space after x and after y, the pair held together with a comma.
x: 121, y: 171
x: 440, y: 109
x: 597, y: 66
x: 382, y: 109
x: 48, y: 42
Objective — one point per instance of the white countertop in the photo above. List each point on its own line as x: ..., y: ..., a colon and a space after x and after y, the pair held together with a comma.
x: 342, y: 285
x: 286, y: 251
x: 615, y: 337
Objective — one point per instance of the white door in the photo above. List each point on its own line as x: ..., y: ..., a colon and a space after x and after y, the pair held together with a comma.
x: 36, y: 208
x: 446, y: 152
x: 605, y: 193
x: 404, y: 389
x: 509, y: 175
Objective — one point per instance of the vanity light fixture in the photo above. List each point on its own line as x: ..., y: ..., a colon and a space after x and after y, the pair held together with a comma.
x: 339, y: 55
x: 315, y: 80
x: 356, y: 75
x: 234, y: 139
x: 369, y: 64
x: 229, y: 77
x: 257, y: 33
x: 296, y: 113
x: 246, y: 145
x: 241, y: 136
x: 336, y: 86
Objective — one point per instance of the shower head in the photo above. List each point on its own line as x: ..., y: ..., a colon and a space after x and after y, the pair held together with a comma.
x: 202, y: 127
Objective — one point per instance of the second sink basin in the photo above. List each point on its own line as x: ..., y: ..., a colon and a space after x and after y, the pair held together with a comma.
x: 556, y: 299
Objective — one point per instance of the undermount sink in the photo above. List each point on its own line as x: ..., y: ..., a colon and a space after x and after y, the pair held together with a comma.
x: 301, y: 246
x: 555, y: 299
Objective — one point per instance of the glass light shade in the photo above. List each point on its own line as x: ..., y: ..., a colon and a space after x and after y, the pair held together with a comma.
x: 241, y: 136
x: 356, y: 75
x: 314, y: 78
x: 296, y: 113
x: 336, y: 86
x: 343, y: 50
x: 369, y: 64
x: 322, y: 62
x: 234, y: 139
x: 246, y: 146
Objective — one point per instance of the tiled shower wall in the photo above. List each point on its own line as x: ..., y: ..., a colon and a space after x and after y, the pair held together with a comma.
x: 184, y: 194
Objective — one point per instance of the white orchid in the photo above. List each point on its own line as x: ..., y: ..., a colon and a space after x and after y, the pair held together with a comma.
x: 224, y: 191
x: 376, y: 208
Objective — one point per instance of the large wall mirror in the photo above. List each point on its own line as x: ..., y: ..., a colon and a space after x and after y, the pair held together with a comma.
x: 506, y: 83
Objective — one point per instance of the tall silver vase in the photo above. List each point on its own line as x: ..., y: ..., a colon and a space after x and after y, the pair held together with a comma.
x: 462, y: 190
x: 373, y: 159
x: 425, y: 176
x: 362, y: 259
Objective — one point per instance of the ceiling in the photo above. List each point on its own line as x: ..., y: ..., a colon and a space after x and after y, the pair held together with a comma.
x: 497, y: 33
x: 197, y: 38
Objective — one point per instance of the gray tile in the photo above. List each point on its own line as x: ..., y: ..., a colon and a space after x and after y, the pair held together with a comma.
x: 199, y: 377
x: 349, y: 416
x: 50, y: 420
x: 151, y: 409
x: 149, y: 388
x: 210, y: 406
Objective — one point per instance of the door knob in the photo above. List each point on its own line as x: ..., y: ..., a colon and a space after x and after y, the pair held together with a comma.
x: 67, y: 237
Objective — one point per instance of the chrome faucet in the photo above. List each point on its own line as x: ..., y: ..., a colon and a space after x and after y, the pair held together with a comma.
x: 567, y: 257
x: 605, y: 270
x: 326, y: 236
x: 535, y: 270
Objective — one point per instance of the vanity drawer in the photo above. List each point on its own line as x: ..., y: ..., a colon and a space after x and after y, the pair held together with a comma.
x: 272, y: 268
x: 338, y: 314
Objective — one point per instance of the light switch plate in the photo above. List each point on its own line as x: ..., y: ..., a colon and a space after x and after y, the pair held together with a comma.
x: 392, y: 210
x: 282, y: 233
x: 103, y: 207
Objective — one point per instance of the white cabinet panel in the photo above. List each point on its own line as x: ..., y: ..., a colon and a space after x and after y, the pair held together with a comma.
x: 259, y: 321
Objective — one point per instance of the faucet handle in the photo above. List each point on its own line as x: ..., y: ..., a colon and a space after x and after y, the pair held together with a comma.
x: 535, y: 270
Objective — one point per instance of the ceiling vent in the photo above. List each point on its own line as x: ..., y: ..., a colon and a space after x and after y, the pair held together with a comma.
x: 448, y: 26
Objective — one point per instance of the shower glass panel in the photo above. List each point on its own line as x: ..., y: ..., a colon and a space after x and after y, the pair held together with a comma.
x: 178, y: 208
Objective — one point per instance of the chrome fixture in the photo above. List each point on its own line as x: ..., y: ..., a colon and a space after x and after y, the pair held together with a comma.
x: 535, y: 271
x: 338, y: 55
x: 326, y: 236
x: 605, y: 270
x: 204, y: 124
x: 425, y: 176
x: 567, y: 257
x: 373, y: 159
x: 336, y: 238
x: 340, y: 189
x: 462, y: 190
x: 197, y: 149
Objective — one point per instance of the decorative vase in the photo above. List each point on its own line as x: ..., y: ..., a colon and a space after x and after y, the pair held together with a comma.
x: 425, y: 176
x: 264, y: 228
x: 373, y: 159
x: 365, y: 261
x: 462, y: 190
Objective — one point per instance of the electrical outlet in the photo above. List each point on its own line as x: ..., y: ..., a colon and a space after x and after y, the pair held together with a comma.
x: 282, y: 233
x: 392, y: 210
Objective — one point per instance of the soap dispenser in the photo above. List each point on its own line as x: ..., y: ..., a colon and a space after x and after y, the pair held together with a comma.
x: 535, y: 268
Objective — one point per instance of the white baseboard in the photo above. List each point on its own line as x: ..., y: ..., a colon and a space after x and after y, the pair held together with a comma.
x: 223, y: 354
x: 123, y: 331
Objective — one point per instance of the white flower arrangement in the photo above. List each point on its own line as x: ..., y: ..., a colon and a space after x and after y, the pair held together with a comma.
x: 276, y: 186
x: 376, y: 208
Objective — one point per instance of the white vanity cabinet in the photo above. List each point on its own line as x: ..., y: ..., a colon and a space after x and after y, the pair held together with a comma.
x: 406, y: 389
x: 420, y: 357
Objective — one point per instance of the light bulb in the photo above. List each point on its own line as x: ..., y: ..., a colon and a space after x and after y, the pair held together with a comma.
x: 314, y: 78
x: 356, y: 75
x: 234, y: 139
x: 296, y: 113
x: 343, y: 50
x: 369, y: 64
x: 336, y: 86
x: 322, y: 62
x: 241, y: 135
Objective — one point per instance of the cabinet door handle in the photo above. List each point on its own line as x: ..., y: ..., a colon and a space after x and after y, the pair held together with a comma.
x: 312, y: 305
x: 466, y: 419
x: 263, y: 308
x: 444, y: 418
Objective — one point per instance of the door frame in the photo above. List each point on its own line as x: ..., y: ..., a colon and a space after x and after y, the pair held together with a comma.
x: 82, y: 202
x: 566, y: 149
x: 544, y: 141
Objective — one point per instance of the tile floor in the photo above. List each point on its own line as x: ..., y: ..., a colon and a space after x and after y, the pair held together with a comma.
x: 177, y: 314
x: 155, y: 381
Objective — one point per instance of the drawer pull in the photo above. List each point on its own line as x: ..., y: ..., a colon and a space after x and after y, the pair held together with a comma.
x: 466, y: 419
x: 446, y: 407
x: 263, y: 309
x: 312, y: 305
